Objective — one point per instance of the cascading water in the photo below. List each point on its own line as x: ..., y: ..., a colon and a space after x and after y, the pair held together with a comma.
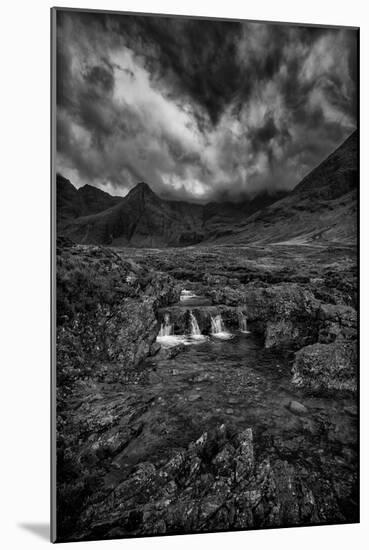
x: 243, y: 323
x: 186, y: 295
x: 167, y: 339
x: 166, y: 336
x: 218, y: 329
x: 217, y: 324
x: 166, y: 328
x: 195, y: 330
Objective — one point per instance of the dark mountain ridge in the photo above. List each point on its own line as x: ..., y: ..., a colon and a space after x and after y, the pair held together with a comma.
x: 142, y: 218
x: 73, y: 203
x: 321, y: 207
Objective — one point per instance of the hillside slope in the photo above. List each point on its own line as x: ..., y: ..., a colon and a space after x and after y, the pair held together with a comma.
x: 321, y: 208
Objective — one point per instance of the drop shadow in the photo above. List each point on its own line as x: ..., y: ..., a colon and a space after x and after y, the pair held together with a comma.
x: 42, y: 530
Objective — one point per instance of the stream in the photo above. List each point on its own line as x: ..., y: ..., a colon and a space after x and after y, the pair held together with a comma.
x: 241, y: 384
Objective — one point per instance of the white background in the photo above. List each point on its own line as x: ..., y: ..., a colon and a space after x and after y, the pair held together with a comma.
x: 24, y: 218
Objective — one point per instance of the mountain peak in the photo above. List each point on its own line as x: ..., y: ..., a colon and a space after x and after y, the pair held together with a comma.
x: 144, y: 186
x: 88, y: 186
x: 61, y: 180
x: 92, y: 190
x: 142, y: 189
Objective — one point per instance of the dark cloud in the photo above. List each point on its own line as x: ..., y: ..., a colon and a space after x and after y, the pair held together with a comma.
x: 265, y: 133
x: 101, y: 78
x: 199, y: 109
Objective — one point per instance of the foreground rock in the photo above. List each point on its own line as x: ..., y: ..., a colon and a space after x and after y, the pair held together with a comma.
x: 326, y: 367
x: 106, y: 327
x: 218, y: 483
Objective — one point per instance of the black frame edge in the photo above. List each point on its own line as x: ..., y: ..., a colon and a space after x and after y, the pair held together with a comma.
x: 53, y: 530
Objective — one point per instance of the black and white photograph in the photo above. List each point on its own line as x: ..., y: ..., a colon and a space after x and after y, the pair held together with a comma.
x: 205, y: 193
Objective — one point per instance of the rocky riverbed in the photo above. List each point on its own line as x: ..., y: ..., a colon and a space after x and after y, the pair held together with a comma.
x: 259, y: 430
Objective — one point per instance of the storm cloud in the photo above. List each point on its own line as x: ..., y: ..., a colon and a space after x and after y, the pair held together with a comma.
x: 199, y: 109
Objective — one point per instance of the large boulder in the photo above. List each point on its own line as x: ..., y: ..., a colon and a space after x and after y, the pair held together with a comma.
x: 283, y: 333
x: 130, y: 331
x: 283, y: 301
x: 337, y: 322
x: 228, y: 296
x: 326, y: 367
x: 286, y: 314
x: 289, y: 314
x: 108, y: 343
x: 107, y: 313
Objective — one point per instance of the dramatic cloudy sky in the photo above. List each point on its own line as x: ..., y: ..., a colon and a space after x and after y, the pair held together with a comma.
x: 200, y: 110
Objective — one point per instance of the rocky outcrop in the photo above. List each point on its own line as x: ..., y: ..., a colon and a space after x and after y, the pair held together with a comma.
x: 286, y: 314
x: 322, y: 334
x: 227, y: 295
x: 217, y: 483
x: 106, y: 327
x: 337, y: 322
x: 326, y: 367
x: 289, y: 315
x: 331, y: 363
x: 107, y: 322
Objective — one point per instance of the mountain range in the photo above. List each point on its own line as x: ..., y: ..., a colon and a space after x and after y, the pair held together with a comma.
x: 322, y: 207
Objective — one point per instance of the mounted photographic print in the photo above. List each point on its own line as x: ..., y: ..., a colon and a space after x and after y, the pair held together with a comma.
x: 204, y: 275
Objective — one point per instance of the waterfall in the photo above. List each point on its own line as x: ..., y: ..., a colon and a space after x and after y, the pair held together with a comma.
x: 217, y: 324
x: 243, y: 323
x: 218, y: 329
x: 186, y: 295
x: 195, y: 330
x: 166, y: 328
x: 167, y: 339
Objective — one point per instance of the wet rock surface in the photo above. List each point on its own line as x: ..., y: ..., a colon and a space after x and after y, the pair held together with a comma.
x: 106, y: 313
x: 298, y: 408
x: 322, y: 367
x: 217, y: 483
x: 337, y: 322
x: 155, y: 440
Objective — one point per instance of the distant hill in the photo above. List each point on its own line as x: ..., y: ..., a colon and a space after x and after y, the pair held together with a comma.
x: 72, y: 203
x: 322, y: 207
